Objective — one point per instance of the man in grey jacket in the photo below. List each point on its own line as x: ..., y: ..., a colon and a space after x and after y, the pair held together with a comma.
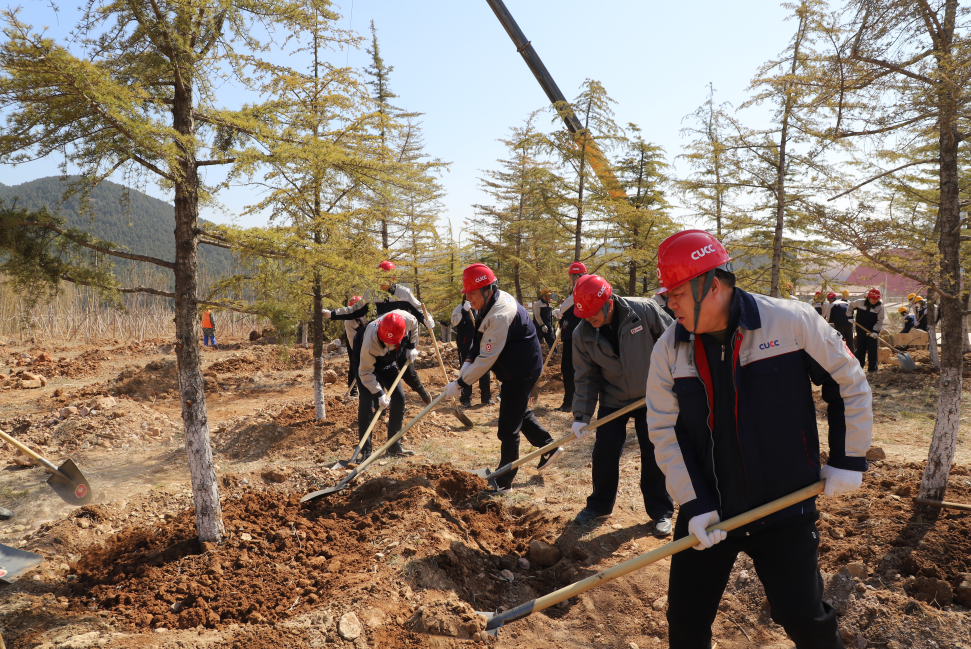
x: 611, y: 351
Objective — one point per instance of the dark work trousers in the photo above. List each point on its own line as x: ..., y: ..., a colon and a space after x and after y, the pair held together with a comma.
x: 515, y: 417
x: 410, y: 378
x: 485, y: 389
x: 566, y: 366
x: 607, y: 450
x: 353, y: 359
x: 367, y: 405
x: 865, y: 345
x: 785, y: 561
x: 846, y: 331
x: 548, y: 337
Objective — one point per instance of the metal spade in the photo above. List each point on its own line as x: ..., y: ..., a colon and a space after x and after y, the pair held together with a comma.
x: 67, y: 480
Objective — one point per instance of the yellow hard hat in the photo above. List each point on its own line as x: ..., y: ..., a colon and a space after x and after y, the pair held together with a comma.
x: 846, y: 293
x: 902, y: 309
x: 918, y: 299
x: 911, y: 296
x: 545, y: 293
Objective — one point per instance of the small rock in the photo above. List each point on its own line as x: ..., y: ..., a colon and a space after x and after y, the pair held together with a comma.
x: 903, y: 491
x: 408, y: 550
x: 962, y: 593
x: 876, y: 453
x: 508, y: 562
x: 103, y: 403
x: 83, y: 411
x: 543, y: 554
x: 245, y: 537
x: 330, y: 376
x: 861, y: 642
x: 523, y: 563
x: 31, y: 384
x: 633, y: 645
x: 67, y: 411
x: 856, y: 569
x: 349, y: 626
x: 277, y: 474
x: 617, y: 526
x: 660, y: 604
x: 940, y: 591
x: 507, y: 575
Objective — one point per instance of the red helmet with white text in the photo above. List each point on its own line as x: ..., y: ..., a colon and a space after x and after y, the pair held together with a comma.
x: 354, y: 300
x: 686, y: 255
x: 477, y: 276
x: 590, y: 295
x: 391, y: 328
x: 831, y: 296
x: 577, y: 268
x: 874, y: 293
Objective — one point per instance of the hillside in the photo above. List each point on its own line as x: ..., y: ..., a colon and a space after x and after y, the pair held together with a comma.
x: 144, y: 225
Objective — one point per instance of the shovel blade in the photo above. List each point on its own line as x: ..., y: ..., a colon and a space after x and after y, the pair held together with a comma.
x: 322, y: 493
x: 5, y: 514
x: 340, y: 464
x: 906, y: 362
x: 488, y: 616
x: 482, y: 473
x: 14, y: 562
x: 462, y: 417
x: 70, y: 484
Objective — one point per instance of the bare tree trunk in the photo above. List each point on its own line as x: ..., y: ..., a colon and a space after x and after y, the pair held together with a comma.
x: 932, y: 333
x: 202, y: 467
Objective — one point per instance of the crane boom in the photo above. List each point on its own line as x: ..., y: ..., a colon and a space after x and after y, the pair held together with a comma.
x: 595, y: 157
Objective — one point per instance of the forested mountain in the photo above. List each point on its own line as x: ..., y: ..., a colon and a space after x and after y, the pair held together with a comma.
x: 138, y: 222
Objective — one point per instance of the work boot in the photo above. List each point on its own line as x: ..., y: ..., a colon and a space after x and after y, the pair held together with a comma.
x: 588, y: 515
x: 489, y: 402
x: 546, y: 460
x: 425, y: 397
x: 662, y: 527
x: 353, y: 392
x: 465, y: 402
x: 566, y: 407
x: 397, y: 450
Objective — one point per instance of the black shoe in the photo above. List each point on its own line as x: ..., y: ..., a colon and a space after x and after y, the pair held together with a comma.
x: 465, y: 403
x: 566, y: 407
x: 397, y: 450
x: 662, y: 527
x: 546, y: 460
x: 588, y: 515
x: 353, y: 392
x: 488, y: 402
x: 425, y: 397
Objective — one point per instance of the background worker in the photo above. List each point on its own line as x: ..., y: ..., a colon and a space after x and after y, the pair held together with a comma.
x: 819, y: 303
x: 838, y: 315
x: 568, y: 322
x: 909, y: 320
x: 611, y: 348
x: 383, y: 347
x: 464, y: 319
x: 353, y: 359
x: 391, y: 297
x: 730, y: 411
x: 543, y: 317
x: 920, y: 313
x: 868, y: 313
x: 505, y: 342
x: 208, y: 329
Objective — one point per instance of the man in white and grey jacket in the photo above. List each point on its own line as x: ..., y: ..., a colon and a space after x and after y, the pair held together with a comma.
x: 464, y: 319
x: 543, y: 317
x: 610, y: 346
x: 868, y: 313
x: 731, y: 414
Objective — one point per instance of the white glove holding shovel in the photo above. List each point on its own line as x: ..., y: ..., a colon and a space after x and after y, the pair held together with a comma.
x: 578, y: 429
x: 453, y: 390
x: 840, y: 481
x: 697, y: 527
x: 383, y: 400
x: 411, y: 355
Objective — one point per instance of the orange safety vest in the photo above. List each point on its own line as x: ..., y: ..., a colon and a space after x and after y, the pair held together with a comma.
x: 207, y: 320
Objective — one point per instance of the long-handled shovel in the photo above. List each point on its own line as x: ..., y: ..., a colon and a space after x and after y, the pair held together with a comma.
x: 67, y: 482
x: 535, y: 393
x: 461, y: 416
x: 374, y: 456
x: 906, y: 361
x: 342, y: 464
x: 14, y: 562
x: 524, y: 610
x: 492, y: 475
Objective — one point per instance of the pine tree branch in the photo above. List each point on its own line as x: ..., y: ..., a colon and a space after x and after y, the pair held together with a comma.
x: 224, y: 161
x: 877, y: 131
x: 114, y: 252
x: 119, y: 289
x: 893, y: 68
x: 887, y: 173
x: 148, y: 165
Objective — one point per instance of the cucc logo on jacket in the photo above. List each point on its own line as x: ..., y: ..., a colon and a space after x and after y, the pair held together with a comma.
x: 769, y: 345
x: 701, y: 252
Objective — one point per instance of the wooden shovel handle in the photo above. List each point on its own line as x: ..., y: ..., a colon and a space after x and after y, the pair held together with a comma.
x: 941, y: 504
x: 879, y: 337
x: 377, y: 414
x: 535, y: 392
x: 10, y: 440
x: 438, y: 353
x: 648, y: 558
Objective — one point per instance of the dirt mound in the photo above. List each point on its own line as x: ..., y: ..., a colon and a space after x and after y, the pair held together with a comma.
x: 157, y: 377
x: 281, y: 559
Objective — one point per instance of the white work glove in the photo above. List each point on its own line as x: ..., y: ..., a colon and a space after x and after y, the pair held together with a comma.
x: 546, y: 329
x: 697, y: 527
x: 467, y: 306
x: 466, y: 365
x: 383, y: 400
x: 411, y: 355
x: 556, y: 313
x: 578, y: 427
x: 840, y: 481
x: 873, y: 334
x: 453, y: 390
x: 326, y: 313
x: 429, y: 324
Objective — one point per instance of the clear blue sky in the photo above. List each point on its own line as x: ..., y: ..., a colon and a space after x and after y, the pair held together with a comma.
x: 454, y: 62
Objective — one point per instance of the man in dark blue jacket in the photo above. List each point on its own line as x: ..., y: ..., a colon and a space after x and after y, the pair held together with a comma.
x: 731, y: 414
x: 568, y: 322
x: 463, y: 319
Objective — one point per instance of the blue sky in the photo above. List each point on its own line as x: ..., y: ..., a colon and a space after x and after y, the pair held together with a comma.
x: 454, y: 62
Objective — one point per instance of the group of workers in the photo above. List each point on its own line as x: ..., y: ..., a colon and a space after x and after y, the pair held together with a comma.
x: 729, y: 422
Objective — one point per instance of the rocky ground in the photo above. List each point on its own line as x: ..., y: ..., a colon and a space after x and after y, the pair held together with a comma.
x: 405, y: 556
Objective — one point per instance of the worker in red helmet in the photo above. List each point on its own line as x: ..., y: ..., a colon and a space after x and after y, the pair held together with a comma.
x: 837, y: 313
x: 611, y: 348
x: 818, y: 302
x: 464, y: 318
x: 350, y: 332
x: 868, y: 313
x: 568, y: 322
x: 505, y: 343
x: 392, y: 296
x: 384, y: 346
x: 731, y: 414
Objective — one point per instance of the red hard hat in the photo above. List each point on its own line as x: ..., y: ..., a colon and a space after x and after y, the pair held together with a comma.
x: 831, y: 296
x: 386, y: 265
x: 577, y: 268
x: 686, y: 255
x: 874, y: 293
x: 391, y: 328
x: 354, y: 300
x: 477, y: 276
x: 590, y: 294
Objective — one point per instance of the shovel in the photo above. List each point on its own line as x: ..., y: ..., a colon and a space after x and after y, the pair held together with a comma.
x: 461, y: 416
x: 14, y: 562
x: 535, y: 393
x: 374, y: 456
x: 666, y: 550
x: 67, y: 481
x: 5, y: 514
x: 492, y: 475
x: 906, y: 361
x: 342, y: 464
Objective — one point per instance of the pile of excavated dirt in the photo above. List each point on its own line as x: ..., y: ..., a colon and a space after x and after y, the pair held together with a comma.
x: 154, y: 379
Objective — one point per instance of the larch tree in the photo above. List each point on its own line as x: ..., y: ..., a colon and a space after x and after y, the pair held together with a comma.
x: 138, y: 90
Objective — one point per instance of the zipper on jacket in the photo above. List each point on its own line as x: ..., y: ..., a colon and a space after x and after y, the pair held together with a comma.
x: 736, y: 340
x: 723, y: 353
x: 711, y: 438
